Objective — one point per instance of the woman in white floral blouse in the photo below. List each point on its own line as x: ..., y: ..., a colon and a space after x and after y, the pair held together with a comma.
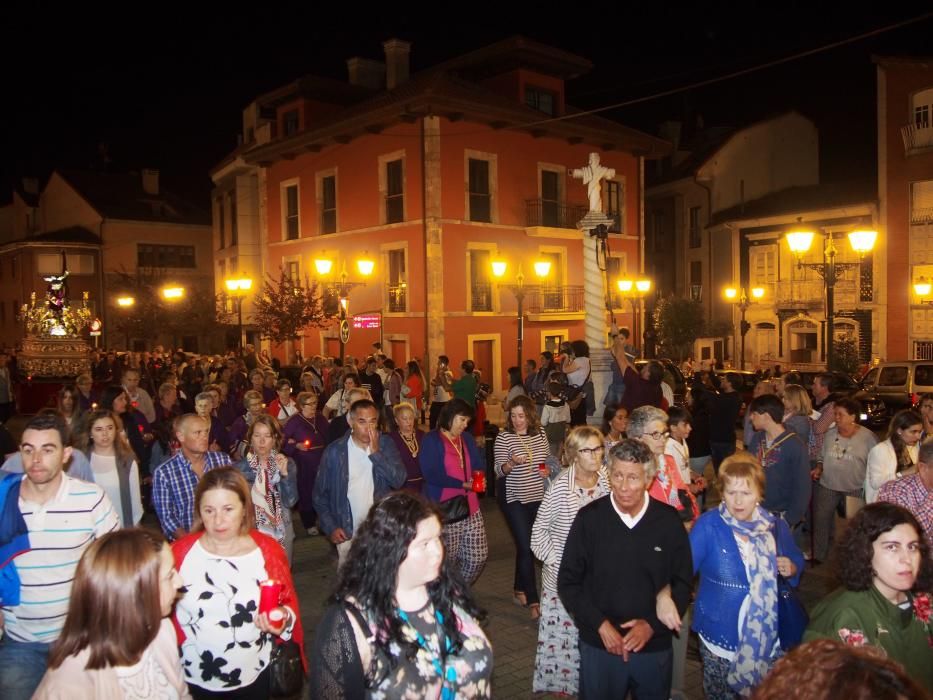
x: 402, y: 624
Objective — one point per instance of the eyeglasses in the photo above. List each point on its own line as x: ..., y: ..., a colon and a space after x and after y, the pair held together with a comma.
x: 658, y: 435
x: 592, y: 450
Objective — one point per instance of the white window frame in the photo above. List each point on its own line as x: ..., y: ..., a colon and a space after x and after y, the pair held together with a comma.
x: 319, y: 199
x: 492, y: 249
x: 383, y: 162
x: 493, y: 160
x: 385, y: 249
x: 283, y: 190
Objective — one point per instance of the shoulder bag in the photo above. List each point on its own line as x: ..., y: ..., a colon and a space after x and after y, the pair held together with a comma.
x: 792, y: 617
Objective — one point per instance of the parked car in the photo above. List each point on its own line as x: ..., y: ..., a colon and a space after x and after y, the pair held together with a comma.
x: 900, y: 383
x: 876, y: 414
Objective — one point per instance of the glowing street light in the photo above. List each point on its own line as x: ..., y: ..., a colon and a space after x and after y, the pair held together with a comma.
x: 173, y: 293
x: 738, y: 297
x: 125, y: 302
x: 238, y: 287
x: 635, y: 291
x: 324, y: 266
x: 542, y: 269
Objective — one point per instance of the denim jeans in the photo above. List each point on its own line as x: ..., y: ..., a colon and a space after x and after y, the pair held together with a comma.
x: 22, y: 665
x: 520, y: 518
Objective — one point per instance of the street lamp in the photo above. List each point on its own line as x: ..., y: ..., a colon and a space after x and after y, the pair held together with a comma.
x: 634, y: 291
x: 365, y: 266
x: 800, y: 239
x: 542, y: 270
x: 126, y: 303
x: 238, y: 288
x: 173, y: 294
x: 740, y: 299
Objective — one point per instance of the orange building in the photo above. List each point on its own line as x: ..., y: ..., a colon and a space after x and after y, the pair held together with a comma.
x: 905, y: 193
x: 433, y: 176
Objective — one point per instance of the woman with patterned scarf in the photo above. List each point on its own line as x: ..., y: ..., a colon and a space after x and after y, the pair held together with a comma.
x: 273, y: 478
x: 737, y: 552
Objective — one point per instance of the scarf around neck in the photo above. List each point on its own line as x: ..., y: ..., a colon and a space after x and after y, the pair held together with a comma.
x: 265, y: 496
x: 757, y: 638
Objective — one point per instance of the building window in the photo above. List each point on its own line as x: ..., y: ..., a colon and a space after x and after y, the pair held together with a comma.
x: 291, y: 213
x: 480, y: 281
x: 290, y: 122
x: 541, y: 100
x: 329, y: 204
x: 480, y: 194
x: 763, y: 265
x: 76, y: 264
x: 293, y: 271
x: 398, y: 285
x: 220, y: 223
x: 612, y: 191
x: 3, y: 312
x: 550, y: 198
x: 696, y: 238
x: 234, y: 236
x: 921, y: 202
x: 696, y: 273
x: 153, y: 255
x: 616, y: 270
x: 221, y: 270
x: 922, y: 103
x: 553, y: 291
x: 395, y: 195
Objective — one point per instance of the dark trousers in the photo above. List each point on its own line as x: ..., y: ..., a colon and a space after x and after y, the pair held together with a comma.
x: 719, y: 451
x: 257, y: 690
x: 520, y: 518
x: 604, y: 675
x: 436, y: 407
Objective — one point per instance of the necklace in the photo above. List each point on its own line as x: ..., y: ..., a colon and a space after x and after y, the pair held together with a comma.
x: 448, y: 679
x: 523, y: 439
x: 310, y: 423
x: 411, y: 443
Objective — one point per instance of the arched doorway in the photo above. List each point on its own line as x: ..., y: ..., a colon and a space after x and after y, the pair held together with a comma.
x: 803, y: 341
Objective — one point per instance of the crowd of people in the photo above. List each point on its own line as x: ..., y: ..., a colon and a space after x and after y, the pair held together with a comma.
x: 662, y: 522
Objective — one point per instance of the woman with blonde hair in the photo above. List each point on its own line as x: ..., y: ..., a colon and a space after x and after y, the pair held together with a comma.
x: 273, y: 478
x: 117, y: 641
x: 558, y: 657
x: 407, y: 438
x: 113, y: 463
x: 797, y: 410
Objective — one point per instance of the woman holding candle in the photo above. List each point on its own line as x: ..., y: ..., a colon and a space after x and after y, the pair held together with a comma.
x: 226, y: 643
x: 303, y: 439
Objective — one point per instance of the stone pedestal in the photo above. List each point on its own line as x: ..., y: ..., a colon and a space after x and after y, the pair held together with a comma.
x: 594, y: 298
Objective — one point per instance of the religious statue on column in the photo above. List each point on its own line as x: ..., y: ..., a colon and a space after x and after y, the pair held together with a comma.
x: 592, y: 176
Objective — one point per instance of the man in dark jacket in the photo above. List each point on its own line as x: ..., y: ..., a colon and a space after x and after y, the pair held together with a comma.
x: 621, y: 552
x: 724, y: 414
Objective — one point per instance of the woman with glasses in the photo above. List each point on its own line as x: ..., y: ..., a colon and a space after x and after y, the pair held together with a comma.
x: 407, y: 438
x: 303, y: 439
x: 648, y: 425
x: 557, y: 662
x: 522, y: 464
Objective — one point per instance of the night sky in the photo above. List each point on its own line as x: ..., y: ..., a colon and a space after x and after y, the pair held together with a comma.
x: 163, y: 84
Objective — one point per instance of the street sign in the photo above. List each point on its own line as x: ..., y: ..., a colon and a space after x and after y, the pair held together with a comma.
x: 344, y: 331
x: 366, y: 321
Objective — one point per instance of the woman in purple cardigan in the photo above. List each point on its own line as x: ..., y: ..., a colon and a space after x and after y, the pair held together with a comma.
x: 408, y: 438
x: 303, y: 439
x: 448, y: 458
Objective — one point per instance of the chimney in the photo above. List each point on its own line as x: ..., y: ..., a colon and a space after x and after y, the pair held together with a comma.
x: 151, y: 181
x: 31, y: 185
x: 366, y: 73
x: 397, y: 69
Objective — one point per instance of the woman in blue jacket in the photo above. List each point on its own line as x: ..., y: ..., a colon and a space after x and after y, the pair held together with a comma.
x: 739, y: 550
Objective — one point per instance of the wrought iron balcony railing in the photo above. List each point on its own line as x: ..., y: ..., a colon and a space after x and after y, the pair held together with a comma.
x: 553, y: 299
x: 916, y: 138
x: 398, y: 297
x: 545, y: 212
x: 810, y: 294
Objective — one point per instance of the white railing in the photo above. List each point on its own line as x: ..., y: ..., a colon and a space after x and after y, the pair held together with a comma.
x: 916, y: 138
x: 921, y: 215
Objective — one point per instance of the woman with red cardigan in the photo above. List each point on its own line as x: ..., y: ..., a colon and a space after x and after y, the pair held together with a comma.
x: 226, y: 644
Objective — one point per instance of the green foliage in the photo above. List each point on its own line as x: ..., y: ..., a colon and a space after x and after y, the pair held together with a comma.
x: 678, y: 323
x: 845, y: 355
x: 284, y: 308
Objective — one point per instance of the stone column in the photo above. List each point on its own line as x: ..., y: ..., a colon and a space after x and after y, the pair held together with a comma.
x: 594, y: 298
x: 433, y: 237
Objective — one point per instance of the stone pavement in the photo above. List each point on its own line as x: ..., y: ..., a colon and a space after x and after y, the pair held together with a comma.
x: 512, y: 633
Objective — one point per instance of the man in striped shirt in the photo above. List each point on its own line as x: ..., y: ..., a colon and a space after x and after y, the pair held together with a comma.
x: 64, y: 516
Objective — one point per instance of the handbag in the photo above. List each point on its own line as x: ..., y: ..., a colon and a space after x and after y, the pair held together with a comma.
x: 455, y: 509
x: 286, y: 674
x: 792, y: 616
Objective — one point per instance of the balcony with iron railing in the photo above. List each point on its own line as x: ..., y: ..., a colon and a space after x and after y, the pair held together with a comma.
x: 398, y: 297
x: 546, y: 299
x: 916, y: 138
x: 810, y: 294
x: 480, y: 297
x: 921, y: 216
x: 545, y: 212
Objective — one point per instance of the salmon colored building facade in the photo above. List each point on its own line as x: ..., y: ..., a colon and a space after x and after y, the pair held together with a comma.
x: 905, y: 193
x: 433, y: 177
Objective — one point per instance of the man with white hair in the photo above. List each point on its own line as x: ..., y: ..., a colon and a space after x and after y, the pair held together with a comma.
x: 620, y: 553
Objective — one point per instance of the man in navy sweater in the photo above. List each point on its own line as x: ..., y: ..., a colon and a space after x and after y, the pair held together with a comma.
x: 785, y: 459
x: 621, y: 551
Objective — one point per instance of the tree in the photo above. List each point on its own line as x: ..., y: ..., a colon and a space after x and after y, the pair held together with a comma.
x: 284, y: 308
x: 678, y: 323
x: 845, y: 355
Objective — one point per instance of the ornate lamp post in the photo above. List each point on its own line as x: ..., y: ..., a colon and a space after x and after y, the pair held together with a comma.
x: 799, y: 241
x: 635, y: 291
x: 126, y: 303
x: 238, y: 288
x: 542, y: 270
x: 738, y: 297
x: 365, y: 267
x: 173, y: 294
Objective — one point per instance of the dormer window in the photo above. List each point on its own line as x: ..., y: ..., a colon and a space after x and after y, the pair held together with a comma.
x: 290, y: 122
x: 541, y: 100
